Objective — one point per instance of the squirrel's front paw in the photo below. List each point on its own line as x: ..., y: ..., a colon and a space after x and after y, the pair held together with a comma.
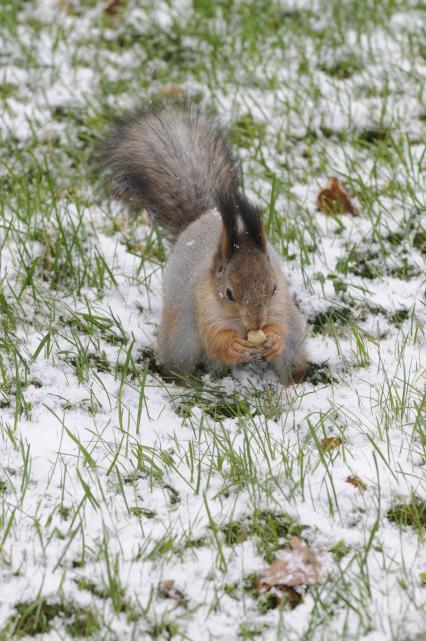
x: 273, y: 347
x: 229, y: 347
x: 241, y: 351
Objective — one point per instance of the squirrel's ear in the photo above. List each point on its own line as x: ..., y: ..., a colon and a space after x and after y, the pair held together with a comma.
x: 251, y: 215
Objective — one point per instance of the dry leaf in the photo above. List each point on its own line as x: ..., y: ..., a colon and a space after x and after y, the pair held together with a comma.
x: 168, y: 591
x: 356, y: 482
x: 292, y: 596
x: 334, y: 199
x: 281, y: 593
x: 64, y: 5
x: 167, y: 586
x: 330, y: 443
x: 112, y: 7
x: 172, y: 91
x: 299, y: 566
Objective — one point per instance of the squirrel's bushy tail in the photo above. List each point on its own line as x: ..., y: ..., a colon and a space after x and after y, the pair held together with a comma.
x: 176, y: 162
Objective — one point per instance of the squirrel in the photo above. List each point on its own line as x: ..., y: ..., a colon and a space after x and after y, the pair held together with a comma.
x: 222, y: 283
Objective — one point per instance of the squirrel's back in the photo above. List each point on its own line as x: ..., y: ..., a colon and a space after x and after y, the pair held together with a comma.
x: 176, y: 162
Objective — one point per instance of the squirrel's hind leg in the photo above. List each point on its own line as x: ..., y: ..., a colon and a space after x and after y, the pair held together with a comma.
x: 179, y: 345
x: 291, y: 364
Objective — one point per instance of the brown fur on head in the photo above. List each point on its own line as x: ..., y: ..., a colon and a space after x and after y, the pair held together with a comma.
x: 242, y: 269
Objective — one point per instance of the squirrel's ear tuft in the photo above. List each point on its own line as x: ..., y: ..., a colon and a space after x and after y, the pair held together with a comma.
x: 251, y: 216
x: 235, y: 207
x: 228, y: 209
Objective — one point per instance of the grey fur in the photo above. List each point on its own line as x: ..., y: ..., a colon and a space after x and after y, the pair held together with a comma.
x: 173, y: 161
x: 292, y: 359
x: 188, y: 266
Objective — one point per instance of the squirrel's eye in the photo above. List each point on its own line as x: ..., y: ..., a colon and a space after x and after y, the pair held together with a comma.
x: 229, y: 295
x: 274, y: 290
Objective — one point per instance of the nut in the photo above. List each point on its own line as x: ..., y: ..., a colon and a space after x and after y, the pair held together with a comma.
x: 256, y: 337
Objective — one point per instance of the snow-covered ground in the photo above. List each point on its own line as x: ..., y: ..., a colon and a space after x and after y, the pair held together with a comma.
x: 113, y: 481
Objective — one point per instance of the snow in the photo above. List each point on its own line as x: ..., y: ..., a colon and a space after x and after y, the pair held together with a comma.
x: 133, y: 448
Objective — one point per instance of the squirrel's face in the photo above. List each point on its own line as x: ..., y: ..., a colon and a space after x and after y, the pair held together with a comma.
x: 247, y: 284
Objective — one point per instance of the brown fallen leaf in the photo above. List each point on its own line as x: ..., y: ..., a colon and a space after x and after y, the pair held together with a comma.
x: 273, y: 598
x: 292, y: 596
x: 299, y: 566
x: 168, y: 591
x: 112, y: 7
x: 330, y: 443
x: 172, y: 91
x: 167, y: 586
x: 356, y: 482
x: 63, y: 5
x: 334, y: 199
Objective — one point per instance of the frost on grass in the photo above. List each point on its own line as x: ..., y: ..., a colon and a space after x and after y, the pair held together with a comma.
x: 133, y: 508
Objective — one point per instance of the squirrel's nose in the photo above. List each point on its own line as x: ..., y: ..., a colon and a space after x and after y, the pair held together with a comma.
x: 257, y: 320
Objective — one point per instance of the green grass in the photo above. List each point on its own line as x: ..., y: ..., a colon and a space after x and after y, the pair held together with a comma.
x: 38, y: 617
x: 268, y: 529
x: 112, y: 477
x: 412, y: 513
